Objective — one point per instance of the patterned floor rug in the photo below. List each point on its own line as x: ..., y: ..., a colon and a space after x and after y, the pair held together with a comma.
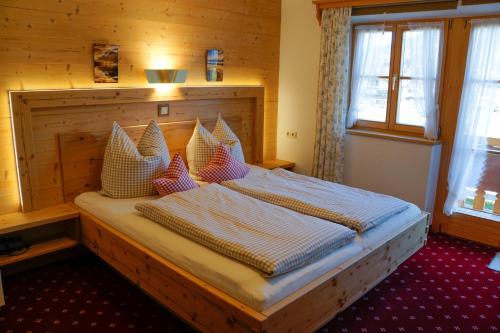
x: 445, y: 287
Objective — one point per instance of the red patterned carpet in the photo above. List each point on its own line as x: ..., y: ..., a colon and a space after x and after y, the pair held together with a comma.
x: 445, y: 287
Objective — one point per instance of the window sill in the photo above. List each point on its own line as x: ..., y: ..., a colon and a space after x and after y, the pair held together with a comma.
x: 393, y: 137
x: 477, y: 213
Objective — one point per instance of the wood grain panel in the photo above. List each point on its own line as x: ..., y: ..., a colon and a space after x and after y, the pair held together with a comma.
x: 82, y: 154
x: 61, y: 134
x: 48, y: 45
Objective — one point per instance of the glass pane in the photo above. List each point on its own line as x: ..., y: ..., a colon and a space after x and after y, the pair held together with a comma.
x: 411, y: 103
x: 485, y: 45
x: 494, y: 124
x: 419, y: 62
x: 373, y: 52
x: 372, y: 58
x: 373, y: 104
x: 416, y: 45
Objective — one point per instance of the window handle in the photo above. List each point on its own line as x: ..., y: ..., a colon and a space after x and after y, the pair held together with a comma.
x: 394, y: 80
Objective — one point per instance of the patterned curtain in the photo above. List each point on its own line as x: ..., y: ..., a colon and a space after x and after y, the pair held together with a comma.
x: 332, y: 94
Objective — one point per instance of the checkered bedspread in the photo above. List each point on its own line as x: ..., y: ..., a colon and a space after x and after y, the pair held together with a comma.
x: 270, y: 238
x: 355, y: 208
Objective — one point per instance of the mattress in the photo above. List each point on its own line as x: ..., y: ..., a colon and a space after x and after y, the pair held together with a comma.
x: 232, y: 277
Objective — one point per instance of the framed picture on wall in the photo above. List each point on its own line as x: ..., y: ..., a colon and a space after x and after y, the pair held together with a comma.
x: 215, y: 63
x: 105, y: 63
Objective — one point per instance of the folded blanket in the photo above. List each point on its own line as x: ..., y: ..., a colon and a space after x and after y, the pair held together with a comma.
x: 272, y: 239
x: 355, y: 208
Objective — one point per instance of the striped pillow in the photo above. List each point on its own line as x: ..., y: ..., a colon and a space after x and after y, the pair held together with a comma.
x: 128, y: 171
x: 176, y: 178
x: 223, y: 133
x: 200, y: 149
x: 223, y: 166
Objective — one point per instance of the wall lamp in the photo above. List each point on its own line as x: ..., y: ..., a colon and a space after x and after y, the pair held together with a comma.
x: 166, y: 75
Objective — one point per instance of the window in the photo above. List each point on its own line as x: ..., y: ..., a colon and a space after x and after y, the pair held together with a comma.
x: 473, y: 180
x: 395, y: 77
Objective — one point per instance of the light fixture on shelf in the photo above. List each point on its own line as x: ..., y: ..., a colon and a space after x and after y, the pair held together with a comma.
x: 166, y: 75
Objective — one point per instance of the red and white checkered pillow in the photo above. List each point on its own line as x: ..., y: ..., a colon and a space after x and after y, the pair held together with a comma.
x: 176, y: 178
x: 127, y: 170
x: 223, y: 166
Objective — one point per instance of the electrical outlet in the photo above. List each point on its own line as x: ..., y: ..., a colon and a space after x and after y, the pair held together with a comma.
x: 291, y: 134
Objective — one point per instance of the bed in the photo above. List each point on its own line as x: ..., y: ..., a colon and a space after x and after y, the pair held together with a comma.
x: 63, y: 133
x: 230, y: 276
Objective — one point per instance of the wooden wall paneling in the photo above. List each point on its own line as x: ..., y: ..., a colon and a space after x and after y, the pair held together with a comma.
x: 48, y: 45
x: 76, y: 150
x: 22, y: 119
x: 69, y: 128
x: 9, y: 194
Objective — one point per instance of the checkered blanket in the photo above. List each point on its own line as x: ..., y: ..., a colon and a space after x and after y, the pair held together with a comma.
x: 270, y: 238
x: 355, y: 208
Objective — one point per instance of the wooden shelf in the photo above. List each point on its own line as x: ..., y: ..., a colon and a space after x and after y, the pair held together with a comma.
x: 39, y: 249
x: 273, y: 164
x: 21, y: 221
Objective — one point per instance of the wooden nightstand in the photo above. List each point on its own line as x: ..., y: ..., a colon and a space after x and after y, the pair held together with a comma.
x: 273, y: 164
x: 45, y: 231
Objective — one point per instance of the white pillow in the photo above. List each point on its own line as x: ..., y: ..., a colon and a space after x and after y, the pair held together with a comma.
x: 200, y: 149
x: 223, y: 133
x: 128, y: 171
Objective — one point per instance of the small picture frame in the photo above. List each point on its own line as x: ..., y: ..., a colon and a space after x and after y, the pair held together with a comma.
x: 215, y: 63
x: 105, y: 63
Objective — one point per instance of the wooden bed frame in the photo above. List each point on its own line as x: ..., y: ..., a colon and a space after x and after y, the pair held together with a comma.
x: 66, y: 130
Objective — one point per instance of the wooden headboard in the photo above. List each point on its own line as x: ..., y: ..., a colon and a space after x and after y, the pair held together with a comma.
x: 60, y: 135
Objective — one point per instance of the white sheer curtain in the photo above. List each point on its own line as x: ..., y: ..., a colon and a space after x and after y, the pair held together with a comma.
x: 476, y: 108
x: 366, y: 65
x: 423, y: 48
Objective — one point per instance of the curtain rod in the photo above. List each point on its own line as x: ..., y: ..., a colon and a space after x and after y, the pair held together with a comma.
x: 385, y: 5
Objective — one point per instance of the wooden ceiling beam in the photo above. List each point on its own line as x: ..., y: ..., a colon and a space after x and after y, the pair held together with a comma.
x: 478, y: 2
x: 322, y: 4
x: 361, y: 4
